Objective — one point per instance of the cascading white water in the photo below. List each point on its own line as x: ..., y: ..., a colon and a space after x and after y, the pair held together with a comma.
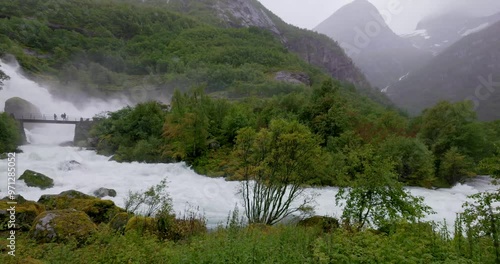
x: 214, y: 197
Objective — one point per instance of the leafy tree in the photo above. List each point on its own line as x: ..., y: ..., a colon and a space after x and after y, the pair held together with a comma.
x: 454, y: 166
x: 413, y: 161
x: 9, y: 133
x: 491, y: 165
x: 186, y: 126
x: 275, y: 163
x: 481, y: 217
x: 448, y: 126
x: 326, y: 113
x: 376, y: 197
x: 132, y: 134
x: 3, y: 77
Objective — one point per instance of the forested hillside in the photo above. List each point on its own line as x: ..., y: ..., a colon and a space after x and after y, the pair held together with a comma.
x: 146, y: 50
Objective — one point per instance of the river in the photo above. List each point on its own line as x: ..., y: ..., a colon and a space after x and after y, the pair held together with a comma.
x: 215, y: 198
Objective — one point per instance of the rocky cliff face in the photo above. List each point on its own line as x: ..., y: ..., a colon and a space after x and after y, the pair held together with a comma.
x: 316, y: 49
x: 238, y: 13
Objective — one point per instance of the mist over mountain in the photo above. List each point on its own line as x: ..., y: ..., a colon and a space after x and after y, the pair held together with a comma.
x: 381, y: 54
x: 438, y: 32
x: 468, y: 70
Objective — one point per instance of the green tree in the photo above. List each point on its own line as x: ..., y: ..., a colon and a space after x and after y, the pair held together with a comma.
x: 3, y: 77
x: 9, y: 133
x: 133, y: 134
x: 274, y: 164
x: 481, y: 217
x: 454, y: 166
x: 448, y: 126
x: 413, y: 161
x: 186, y: 129
x: 376, y: 197
x: 491, y: 165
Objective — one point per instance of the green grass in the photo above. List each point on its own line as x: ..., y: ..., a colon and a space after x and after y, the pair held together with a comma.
x: 257, y: 244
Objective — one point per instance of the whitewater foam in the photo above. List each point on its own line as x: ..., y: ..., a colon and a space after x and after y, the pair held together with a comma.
x: 214, y: 197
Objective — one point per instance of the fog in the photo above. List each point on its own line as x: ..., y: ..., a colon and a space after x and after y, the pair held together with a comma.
x: 308, y: 14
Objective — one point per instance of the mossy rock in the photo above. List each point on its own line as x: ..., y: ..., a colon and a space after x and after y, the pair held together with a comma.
x: 35, y: 179
x: 62, y: 226
x: 100, y: 211
x: 327, y: 224
x: 141, y: 225
x: 119, y: 222
x: 17, y: 198
x: 26, y: 213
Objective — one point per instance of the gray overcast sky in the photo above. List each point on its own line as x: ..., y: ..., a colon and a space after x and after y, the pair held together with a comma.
x: 309, y: 13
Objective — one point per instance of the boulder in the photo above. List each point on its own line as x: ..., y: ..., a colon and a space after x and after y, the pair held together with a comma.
x: 62, y: 226
x: 100, y: 211
x: 17, y: 198
x: 22, y: 108
x: 327, y: 224
x: 35, y: 179
x: 69, y: 165
x: 67, y: 144
x: 102, y: 192
x: 26, y: 213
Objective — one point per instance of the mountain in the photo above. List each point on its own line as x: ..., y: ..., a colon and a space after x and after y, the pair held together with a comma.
x: 314, y: 48
x: 468, y: 70
x: 147, y: 48
x: 381, y: 54
x: 436, y: 33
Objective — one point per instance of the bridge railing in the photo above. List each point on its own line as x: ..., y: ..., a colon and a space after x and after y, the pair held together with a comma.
x: 48, y: 117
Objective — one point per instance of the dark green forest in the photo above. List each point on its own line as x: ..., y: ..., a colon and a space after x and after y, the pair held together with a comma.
x: 207, y: 95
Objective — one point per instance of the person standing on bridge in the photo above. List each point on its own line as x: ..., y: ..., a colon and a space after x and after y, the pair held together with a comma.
x: 55, y: 117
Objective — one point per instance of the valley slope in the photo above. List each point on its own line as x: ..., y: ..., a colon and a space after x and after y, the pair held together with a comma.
x: 468, y: 70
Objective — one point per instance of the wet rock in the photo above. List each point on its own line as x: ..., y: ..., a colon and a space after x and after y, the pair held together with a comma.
x: 62, y: 226
x: 69, y: 165
x: 35, y: 179
x: 103, y: 192
x: 67, y: 144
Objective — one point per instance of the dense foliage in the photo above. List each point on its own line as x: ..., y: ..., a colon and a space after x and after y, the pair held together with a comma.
x: 100, y: 48
x: 3, y: 77
x: 9, y: 133
x: 444, y: 146
x: 406, y: 243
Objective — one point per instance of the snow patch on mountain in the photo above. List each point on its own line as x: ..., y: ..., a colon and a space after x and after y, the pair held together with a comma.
x: 474, y: 30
